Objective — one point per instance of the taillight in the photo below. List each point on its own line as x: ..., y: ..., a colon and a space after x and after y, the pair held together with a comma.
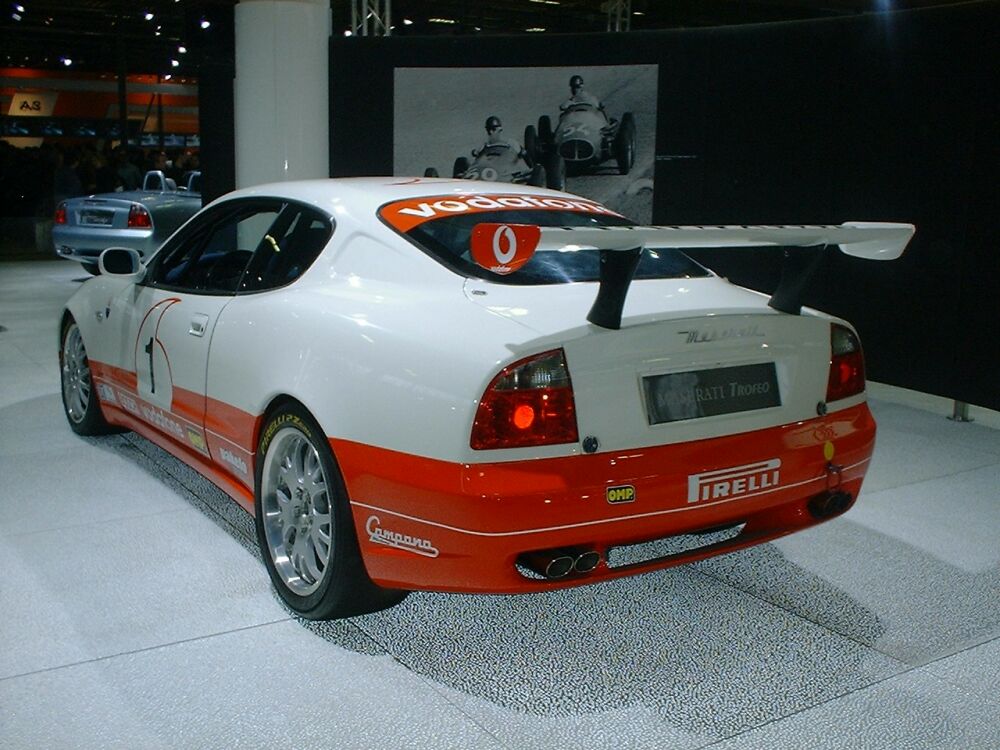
x: 529, y: 403
x: 847, y: 364
x: 60, y: 215
x: 138, y: 217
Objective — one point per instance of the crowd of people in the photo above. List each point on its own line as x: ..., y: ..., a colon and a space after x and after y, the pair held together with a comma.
x: 34, y: 180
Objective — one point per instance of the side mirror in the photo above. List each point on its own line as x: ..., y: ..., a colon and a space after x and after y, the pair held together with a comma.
x: 123, y: 262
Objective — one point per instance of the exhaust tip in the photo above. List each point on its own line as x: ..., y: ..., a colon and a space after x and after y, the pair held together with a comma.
x: 830, y: 504
x: 559, y: 567
x: 587, y: 561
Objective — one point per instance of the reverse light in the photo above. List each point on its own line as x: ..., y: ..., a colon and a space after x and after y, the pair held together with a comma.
x: 138, y: 217
x: 847, y: 364
x: 60, y: 215
x: 529, y: 403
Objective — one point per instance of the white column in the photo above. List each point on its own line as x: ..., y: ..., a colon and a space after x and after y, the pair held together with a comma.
x: 282, y: 90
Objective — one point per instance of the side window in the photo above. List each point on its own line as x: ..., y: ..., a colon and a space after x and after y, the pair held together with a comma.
x: 290, y: 246
x: 213, y: 258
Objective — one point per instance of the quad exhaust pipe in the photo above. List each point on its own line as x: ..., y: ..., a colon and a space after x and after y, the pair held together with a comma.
x: 559, y: 563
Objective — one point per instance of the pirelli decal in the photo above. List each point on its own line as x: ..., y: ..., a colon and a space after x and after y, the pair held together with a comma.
x: 734, y: 481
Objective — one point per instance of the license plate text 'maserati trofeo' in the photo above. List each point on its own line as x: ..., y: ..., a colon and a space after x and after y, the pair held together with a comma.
x: 706, y: 393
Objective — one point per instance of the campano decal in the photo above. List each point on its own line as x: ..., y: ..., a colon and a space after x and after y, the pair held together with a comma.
x: 404, y: 215
x: 504, y: 248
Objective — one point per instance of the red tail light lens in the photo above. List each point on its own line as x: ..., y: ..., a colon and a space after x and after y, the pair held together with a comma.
x: 138, y: 217
x: 847, y: 364
x: 529, y: 403
x: 60, y: 215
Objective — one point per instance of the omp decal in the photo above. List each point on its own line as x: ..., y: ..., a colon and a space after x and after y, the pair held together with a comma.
x: 106, y: 393
x: 406, y: 214
x: 736, y: 481
x: 379, y: 535
x: 622, y: 494
x: 233, y: 460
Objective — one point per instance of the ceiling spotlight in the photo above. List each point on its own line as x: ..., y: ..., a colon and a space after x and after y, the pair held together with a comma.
x: 182, y: 49
x: 149, y: 16
x: 407, y: 22
x: 19, y: 8
x: 205, y: 23
x: 535, y: 29
x: 348, y: 32
x: 167, y: 76
x: 16, y: 16
x: 67, y: 61
x: 175, y: 63
x: 442, y: 20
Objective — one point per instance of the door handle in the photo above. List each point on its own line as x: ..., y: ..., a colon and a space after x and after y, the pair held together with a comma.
x: 199, y: 322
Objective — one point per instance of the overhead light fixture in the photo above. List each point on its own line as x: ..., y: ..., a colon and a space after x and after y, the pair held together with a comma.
x: 535, y: 29
x: 348, y: 32
x: 205, y: 23
x: 407, y: 22
x: 182, y: 49
x: 19, y: 8
x: 149, y: 16
x: 67, y: 61
x: 16, y: 16
x: 442, y: 20
x: 167, y: 76
x: 546, y: 2
x: 175, y: 63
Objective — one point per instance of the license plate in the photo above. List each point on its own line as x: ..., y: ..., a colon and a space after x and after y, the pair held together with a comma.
x: 706, y: 393
x: 101, y: 218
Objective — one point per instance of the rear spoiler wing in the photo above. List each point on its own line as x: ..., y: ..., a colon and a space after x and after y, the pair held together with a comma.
x: 621, y: 249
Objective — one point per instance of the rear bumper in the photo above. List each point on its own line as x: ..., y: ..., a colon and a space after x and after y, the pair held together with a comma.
x: 427, y: 524
x: 86, y: 245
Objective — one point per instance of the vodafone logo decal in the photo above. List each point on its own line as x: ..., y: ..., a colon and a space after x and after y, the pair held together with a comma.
x: 504, y: 235
x: 504, y: 248
x: 406, y: 214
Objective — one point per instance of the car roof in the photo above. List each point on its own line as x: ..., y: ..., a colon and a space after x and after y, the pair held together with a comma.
x: 368, y: 194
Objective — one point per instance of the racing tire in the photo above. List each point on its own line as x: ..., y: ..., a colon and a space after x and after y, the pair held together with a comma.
x: 624, y: 145
x: 461, y: 167
x: 79, y: 396
x: 555, y: 173
x: 304, y: 524
x: 545, y: 135
x: 531, y: 145
x: 92, y: 268
x: 431, y: 172
x: 537, y: 176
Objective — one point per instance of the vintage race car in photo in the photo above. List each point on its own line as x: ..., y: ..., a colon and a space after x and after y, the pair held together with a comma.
x: 474, y: 387
x: 501, y: 163
x: 585, y: 137
x: 140, y: 219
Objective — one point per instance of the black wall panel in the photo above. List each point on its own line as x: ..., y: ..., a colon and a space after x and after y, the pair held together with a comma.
x: 878, y: 117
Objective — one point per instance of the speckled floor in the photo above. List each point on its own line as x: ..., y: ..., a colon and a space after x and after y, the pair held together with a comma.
x: 135, y: 613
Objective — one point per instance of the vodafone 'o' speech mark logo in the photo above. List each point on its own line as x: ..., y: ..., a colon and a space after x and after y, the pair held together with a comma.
x: 504, y: 248
x: 504, y: 236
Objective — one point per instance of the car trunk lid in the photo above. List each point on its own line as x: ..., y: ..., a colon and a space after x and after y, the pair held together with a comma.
x: 694, y: 358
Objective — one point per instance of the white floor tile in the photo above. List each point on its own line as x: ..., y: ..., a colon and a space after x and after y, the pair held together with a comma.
x: 272, y: 686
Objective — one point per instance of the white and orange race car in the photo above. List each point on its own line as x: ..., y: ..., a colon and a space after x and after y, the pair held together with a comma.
x: 478, y: 387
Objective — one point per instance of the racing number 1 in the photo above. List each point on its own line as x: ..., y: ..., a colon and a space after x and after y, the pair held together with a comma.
x: 152, y: 377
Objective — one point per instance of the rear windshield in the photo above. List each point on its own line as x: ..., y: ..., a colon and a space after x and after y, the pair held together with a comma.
x: 447, y: 239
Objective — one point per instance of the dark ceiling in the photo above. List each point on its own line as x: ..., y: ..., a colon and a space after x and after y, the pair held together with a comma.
x: 145, y: 36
